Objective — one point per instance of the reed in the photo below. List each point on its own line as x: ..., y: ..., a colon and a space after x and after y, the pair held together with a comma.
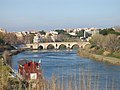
x: 85, y: 81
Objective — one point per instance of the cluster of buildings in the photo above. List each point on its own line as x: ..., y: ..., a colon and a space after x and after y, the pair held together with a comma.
x: 52, y: 35
x: 73, y: 32
x: 91, y: 31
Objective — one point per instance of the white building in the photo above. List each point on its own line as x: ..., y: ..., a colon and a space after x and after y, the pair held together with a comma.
x: 36, y: 38
x: 53, y: 32
x: 33, y: 31
x: 19, y: 35
x: 73, y: 34
x: 3, y: 30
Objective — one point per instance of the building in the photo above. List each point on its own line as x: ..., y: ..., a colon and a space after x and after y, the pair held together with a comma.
x: 54, y: 35
x: 53, y: 32
x: 19, y: 35
x: 36, y: 38
x: 29, y: 70
x: 73, y: 34
x: 3, y: 30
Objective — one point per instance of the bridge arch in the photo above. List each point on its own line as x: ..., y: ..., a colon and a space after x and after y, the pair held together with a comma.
x: 75, y: 46
x: 87, y: 44
x: 50, y: 46
x: 56, y: 45
x: 40, y: 47
x: 31, y: 47
x: 62, y: 46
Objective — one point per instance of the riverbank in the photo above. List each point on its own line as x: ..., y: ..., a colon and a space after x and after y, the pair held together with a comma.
x: 15, y: 52
x: 87, y: 54
x: 6, y: 47
x: 7, y: 55
x: 6, y: 77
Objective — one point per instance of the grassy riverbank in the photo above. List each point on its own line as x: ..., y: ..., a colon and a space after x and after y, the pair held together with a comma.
x: 99, y: 55
x: 6, y: 79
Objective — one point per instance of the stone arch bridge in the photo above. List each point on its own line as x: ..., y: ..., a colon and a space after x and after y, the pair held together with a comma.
x: 56, y: 45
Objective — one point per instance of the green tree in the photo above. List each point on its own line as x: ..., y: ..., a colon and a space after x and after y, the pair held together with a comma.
x: 61, y: 31
x: 109, y: 31
x: 80, y: 33
x: 42, y: 32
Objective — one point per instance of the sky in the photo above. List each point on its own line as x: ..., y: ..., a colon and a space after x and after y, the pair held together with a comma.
x: 23, y: 15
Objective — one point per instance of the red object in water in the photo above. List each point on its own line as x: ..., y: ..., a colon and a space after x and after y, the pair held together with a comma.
x: 29, y: 70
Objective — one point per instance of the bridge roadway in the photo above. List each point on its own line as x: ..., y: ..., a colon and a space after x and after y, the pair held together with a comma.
x: 56, y: 45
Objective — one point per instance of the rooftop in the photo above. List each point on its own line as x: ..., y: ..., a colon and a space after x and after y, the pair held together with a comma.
x: 22, y: 62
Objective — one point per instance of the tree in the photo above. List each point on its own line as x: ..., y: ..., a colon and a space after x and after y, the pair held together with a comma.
x: 2, y: 35
x: 109, y: 31
x: 87, y: 34
x: 1, y: 41
x: 28, y: 38
x: 61, y: 31
x: 42, y: 32
x: 10, y: 38
x: 48, y: 38
x: 109, y: 42
x: 98, y: 40
x: 117, y: 28
x: 80, y: 33
x: 1, y: 38
x: 112, y: 42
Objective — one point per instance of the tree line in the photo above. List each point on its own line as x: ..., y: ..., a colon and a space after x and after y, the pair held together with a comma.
x: 12, y: 39
x: 107, y: 41
x: 110, y: 42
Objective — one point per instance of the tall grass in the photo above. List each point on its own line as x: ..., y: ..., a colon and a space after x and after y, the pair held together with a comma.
x: 84, y: 80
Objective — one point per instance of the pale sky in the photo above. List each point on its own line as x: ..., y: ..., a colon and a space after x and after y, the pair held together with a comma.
x: 20, y: 15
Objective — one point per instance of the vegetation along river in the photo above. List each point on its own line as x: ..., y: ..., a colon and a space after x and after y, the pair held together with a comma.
x: 64, y: 63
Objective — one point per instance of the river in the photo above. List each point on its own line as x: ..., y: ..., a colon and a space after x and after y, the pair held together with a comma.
x: 66, y: 63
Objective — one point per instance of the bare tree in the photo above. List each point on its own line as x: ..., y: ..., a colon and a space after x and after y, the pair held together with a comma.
x: 28, y: 38
x: 117, y: 28
x: 10, y: 38
x: 98, y: 40
x: 112, y: 42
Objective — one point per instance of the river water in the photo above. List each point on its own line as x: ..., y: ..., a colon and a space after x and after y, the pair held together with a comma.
x: 66, y: 63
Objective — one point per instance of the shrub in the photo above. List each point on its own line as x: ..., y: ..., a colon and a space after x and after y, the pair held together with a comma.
x: 116, y: 54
